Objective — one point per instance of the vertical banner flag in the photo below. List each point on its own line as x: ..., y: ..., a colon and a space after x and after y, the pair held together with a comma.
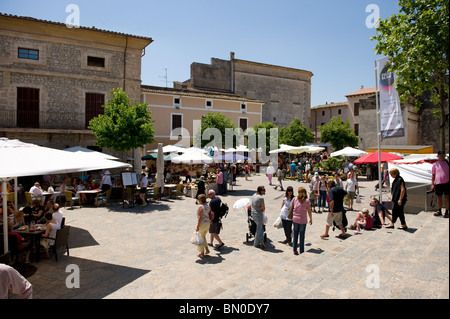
x: 391, y: 121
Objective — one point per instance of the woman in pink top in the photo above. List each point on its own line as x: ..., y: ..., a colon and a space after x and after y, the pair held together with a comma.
x: 301, y: 207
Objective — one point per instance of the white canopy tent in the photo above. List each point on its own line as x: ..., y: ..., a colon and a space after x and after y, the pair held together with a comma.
x: 298, y: 149
x: 24, y: 159
x: 169, y: 149
x: 349, y: 152
x: 283, y: 149
x: 415, y: 168
x: 193, y: 156
x: 413, y: 173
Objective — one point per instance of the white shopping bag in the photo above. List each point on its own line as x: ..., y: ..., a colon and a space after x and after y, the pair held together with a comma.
x: 278, y: 223
x: 197, y: 239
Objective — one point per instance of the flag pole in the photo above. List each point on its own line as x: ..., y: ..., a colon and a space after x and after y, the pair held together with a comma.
x: 377, y: 102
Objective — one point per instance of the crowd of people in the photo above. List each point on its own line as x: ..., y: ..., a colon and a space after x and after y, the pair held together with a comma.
x: 331, y: 195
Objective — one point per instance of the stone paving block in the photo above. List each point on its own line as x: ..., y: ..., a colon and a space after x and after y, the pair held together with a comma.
x: 144, y: 252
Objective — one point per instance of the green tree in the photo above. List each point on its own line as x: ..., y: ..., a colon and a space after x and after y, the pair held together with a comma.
x: 296, y: 134
x: 338, y: 133
x: 417, y: 42
x: 123, y: 126
x: 257, y: 132
x: 214, y: 121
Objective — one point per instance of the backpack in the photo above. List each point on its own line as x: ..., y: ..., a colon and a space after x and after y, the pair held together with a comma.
x: 223, y: 212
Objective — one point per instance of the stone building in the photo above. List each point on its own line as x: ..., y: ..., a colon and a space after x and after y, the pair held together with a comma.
x: 54, y: 79
x: 322, y: 114
x: 421, y: 127
x: 285, y: 91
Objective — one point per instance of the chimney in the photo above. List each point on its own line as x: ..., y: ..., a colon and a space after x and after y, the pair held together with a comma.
x: 362, y: 87
x: 232, y: 88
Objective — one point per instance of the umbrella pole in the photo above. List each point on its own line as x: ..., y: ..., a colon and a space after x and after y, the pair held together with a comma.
x: 5, y: 216
x: 377, y: 103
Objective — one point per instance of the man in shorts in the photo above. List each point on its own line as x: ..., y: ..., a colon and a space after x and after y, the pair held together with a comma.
x: 336, y: 197
x: 440, y: 182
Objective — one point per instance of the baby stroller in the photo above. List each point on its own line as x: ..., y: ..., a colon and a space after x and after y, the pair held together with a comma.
x: 252, y: 226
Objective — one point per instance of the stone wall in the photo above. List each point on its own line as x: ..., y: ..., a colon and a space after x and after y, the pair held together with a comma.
x: 63, y: 78
x: 286, y: 91
x: 214, y: 76
x: 421, y: 128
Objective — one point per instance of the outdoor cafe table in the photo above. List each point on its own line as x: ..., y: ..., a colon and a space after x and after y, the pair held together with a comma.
x: 90, y: 193
x: 170, y: 187
x: 35, y: 235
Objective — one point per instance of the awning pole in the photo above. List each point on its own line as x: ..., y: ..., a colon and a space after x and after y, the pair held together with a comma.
x: 377, y: 102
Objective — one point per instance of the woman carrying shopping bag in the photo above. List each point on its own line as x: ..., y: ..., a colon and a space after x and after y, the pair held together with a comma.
x: 203, y: 223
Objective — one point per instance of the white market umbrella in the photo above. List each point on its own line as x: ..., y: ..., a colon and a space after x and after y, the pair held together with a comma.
x: 349, y: 152
x: 86, y: 151
x: 169, y: 149
x: 24, y: 159
x: 193, y: 156
x: 314, y: 149
x: 283, y: 148
x: 242, y: 148
x: 243, y: 202
x: 228, y: 150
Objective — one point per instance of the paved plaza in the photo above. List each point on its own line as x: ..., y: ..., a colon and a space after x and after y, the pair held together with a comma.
x: 145, y: 252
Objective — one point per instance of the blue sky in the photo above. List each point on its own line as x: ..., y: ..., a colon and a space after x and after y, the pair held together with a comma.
x: 327, y: 37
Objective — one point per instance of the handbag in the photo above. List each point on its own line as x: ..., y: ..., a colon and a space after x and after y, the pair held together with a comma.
x: 278, y: 223
x: 358, y: 199
x: 291, y: 210
x: 197, y: 239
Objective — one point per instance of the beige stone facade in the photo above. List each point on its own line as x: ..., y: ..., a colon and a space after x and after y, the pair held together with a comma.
x: 183, y: 109
x: 52, y: 76
x: 322, y: 114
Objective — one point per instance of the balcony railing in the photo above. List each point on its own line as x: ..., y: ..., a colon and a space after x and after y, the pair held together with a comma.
x: 43, y: 120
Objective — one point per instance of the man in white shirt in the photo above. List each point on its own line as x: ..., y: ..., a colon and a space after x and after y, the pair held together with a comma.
x: 36, y: 191
x: 106, y: 183
x: 12, y: 280
x: 57, y: 214
x: 143, y: 189
x: 270, y: 170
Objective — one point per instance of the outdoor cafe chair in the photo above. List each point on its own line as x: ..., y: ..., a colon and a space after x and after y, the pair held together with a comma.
x: 177, y: 191
x: 71, y: 199
x: 153, y: 192
x: 10, y: 197
x: 104, y: 197
x: 29, y: 198
x: 61, y: 240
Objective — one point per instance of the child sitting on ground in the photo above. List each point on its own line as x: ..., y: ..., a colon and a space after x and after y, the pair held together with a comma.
x: 363, y: 221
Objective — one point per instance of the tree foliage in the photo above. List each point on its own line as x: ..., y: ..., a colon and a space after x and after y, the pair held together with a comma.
x: 215, y: 121
x: 417, y: 42
x: 123, y: 126
x: 258, y: 134
x: 338, y: 133
x: 296, y: 134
